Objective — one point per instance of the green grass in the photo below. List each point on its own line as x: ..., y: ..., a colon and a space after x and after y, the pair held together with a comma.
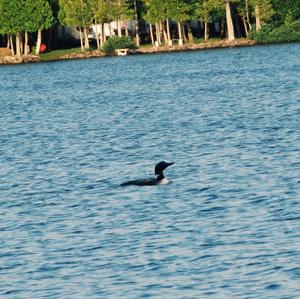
x: 56, y: 54
x: 196, y: 41
x: 147, y: 46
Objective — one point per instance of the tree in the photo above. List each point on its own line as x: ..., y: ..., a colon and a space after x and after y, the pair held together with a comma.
x: 25, y: 16
x: 136, y: 20
x: 263, y: 12
x: 156, y: 12
x: 178, y: 11
x: 230, y: 28
x: 121, y: 12
x: 37, y: 16
x: 243, y: 9
x: 99, y: 10
x: 77, y: 13
x: 12, y: 21
x: 203, y: 11
x: 223, y: 5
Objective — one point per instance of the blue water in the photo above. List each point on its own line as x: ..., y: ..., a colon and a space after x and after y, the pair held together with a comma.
x: 228, y: 226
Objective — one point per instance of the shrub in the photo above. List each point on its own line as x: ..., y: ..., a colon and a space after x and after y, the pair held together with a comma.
x: 117, y: 42
x: 285, y: 33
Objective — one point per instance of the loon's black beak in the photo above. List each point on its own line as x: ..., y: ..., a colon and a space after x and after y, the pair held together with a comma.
x: 169, y: 164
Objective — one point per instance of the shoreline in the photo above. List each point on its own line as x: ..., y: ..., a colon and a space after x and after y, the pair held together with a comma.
x: 10, y: 60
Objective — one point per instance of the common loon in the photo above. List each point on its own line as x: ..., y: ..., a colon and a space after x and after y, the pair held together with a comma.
x: 159, y: 180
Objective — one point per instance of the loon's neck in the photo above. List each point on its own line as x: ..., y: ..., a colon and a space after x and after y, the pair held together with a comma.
x: 162, y: 180
x: 160, y: 177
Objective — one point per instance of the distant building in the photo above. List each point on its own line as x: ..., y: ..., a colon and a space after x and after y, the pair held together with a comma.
x: 68, y: 33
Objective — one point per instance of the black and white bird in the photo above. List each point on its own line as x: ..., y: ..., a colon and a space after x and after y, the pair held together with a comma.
x: 160, y: 179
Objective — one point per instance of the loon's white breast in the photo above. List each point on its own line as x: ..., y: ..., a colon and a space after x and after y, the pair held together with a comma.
x: 164, y: 181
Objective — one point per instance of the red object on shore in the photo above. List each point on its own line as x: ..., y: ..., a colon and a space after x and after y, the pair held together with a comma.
x: 43, y: 48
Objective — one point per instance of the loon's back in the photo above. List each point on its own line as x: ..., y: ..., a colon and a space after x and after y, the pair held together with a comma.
x: 142, y: 182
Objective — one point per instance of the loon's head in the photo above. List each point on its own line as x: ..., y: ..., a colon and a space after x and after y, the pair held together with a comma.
x: 161, y: 166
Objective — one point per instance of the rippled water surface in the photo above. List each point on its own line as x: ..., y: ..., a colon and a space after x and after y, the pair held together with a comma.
x: 228, y: 226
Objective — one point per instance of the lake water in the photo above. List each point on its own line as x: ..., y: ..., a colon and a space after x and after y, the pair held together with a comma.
x: 228, y: 226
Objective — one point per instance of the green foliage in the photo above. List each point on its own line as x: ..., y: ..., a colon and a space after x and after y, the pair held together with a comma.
x: 84, y: 12
x: 265, y: 9
x: 285, y: 33
x: 119, y: 10
x: 282, y: 9
x: 76, y: 12
x: 37, y: 15
x: 204, y: 9
x: 178, y: 10
x: 101, y: 12
x: 55, y: 9
x: 278, y: 17
x: 117, y: 42
x: 158, y: 10
x: 1, y: 17
x: 12, y: 16
x: 25, y: 15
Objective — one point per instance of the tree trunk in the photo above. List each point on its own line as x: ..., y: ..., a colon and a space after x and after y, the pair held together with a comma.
x: 164, y: 33
x: 159, y: 34
x: 119, y: 28
x: 180, y: 42
x: 81, y: 40
x: 103, y: 34
x: 156, y: 43
x: 21, y: 43
x: 7, y: 41
x: 137, y: 36
x: 257, y: 18
x: 245, y: 26
x: 158, y: 37
x: 109, y: 28
x: 18, y: 42
x: 168, y: 33
x: 205, y: 30
x: 230, y: 28
x: 26, y: 44
x: 101, y: 38
x: 190, y: 34
x: 11, y: 45
x: 183, y: 33
x: 151, y: 34
x: 38, y: 42
x: 86, y: 38
x: 247, y: 15
x: 97, y: 36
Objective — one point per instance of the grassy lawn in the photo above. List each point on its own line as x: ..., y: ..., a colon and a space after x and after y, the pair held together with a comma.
x: 196, y: 41
x: 56, y: 54
x: 146, y: 46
